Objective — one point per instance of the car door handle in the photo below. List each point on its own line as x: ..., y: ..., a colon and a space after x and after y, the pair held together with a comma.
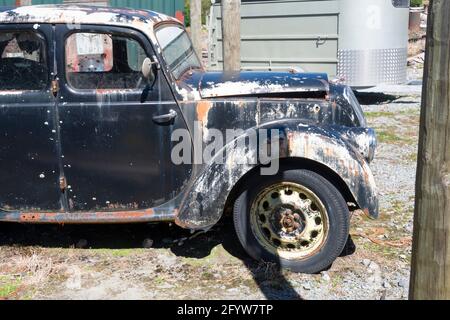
x: 165, y: 118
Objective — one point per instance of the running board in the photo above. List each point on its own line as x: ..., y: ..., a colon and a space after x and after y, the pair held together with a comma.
x: 132, y: 216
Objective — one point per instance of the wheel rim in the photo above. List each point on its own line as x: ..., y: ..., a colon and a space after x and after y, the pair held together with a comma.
x: 289, y: 220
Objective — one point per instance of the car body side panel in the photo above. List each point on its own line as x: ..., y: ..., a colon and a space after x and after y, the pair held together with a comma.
x: 297, y: 120
x: 206, y: 199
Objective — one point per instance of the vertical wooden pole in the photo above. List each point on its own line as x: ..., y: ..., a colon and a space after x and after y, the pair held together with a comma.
x: 196, y: 25
x: 231, y: 34
x: 430, y: 265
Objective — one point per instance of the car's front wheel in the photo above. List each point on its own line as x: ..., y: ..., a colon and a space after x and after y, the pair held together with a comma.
x: 296, y: 218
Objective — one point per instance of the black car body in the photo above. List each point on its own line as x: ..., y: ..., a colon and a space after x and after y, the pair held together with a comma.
x: 83, y: 139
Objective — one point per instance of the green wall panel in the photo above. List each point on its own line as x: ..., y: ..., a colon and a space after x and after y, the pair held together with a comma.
x: 168, y: 7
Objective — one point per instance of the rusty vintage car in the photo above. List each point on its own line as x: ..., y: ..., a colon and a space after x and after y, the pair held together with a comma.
x: 90, y: 99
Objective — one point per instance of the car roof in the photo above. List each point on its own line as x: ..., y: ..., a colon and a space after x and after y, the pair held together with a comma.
x: 82, y: 14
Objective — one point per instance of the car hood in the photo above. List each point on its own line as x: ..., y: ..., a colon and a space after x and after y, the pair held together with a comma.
x: 224, y: 84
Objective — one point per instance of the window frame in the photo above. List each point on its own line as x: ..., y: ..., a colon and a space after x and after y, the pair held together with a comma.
x: 165, y: 24
x: 124, y: 32
x: 47, y: 48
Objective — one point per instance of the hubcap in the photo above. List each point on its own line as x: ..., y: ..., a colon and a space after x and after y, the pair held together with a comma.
x: 289, y: 220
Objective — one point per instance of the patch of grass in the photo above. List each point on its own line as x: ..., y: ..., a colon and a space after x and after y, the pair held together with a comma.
x: 218, y: 255
x: 159, y: 280
x: 376, y: 114
x: 412, y: 157
x: 385, y: 250
x: 118, y: 252
x: 8, y: 287
x: 336, y: 280
x: 413, y: 114
x: 196, y: 262
x: 398, y: 206
x: 207, y: 275
x: 387, y: 137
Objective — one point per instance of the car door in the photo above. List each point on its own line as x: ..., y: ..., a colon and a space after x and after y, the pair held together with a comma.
x: 115, y: 149
x: 29, y: 167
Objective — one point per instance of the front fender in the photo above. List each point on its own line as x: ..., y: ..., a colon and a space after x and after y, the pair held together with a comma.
x: 330, y: 148
x: 204, y: 202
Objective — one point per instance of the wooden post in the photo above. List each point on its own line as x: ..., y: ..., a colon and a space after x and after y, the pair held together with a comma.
x: 430, y: 265
x: 231, y: 34
x: 196, y: 25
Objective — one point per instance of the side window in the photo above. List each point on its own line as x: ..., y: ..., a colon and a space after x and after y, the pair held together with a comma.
x: 103, y: 61
x: 23, y: 63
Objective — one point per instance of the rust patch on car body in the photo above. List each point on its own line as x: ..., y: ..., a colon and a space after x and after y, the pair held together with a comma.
x: 203, y: 108
x: 145, y: 215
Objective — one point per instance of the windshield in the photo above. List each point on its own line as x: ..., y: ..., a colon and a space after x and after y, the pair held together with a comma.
x: 177, y: 50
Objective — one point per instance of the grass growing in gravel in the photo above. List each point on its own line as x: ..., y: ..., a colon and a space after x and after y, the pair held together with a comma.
x: 387, y: 137
x: 412, y: 157
x: 117, y: 252
x: 336, y: 280
x: 376, y: 114
x: 413, y: 113
x: 8, y: 287
x: 391, y: 136
x: 387, y: 251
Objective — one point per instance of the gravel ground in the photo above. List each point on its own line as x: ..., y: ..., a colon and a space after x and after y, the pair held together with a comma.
x: 161, y: 261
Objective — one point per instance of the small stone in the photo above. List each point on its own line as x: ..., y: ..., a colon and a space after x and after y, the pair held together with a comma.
x: 402, y: 256
x: 386, y: 284
x: 307, y: 286
x: 166, y: 240
x: 180, y: 243
x: 402, y: 283
x: 374, y: 266
x: 366, y: 262
x: 408, y: 227
x: 147, y: 243
x: 325, y: 276
x: 82, y: 243
x: 375, y: 279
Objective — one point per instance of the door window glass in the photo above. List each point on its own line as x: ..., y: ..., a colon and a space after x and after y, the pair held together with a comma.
x: 177, y: 50
x: 103, y: 61
x: 23, y: 64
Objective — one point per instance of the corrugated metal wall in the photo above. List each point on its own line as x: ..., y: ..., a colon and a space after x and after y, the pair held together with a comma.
x: 282, y: 35
x: 169, y: 7
x: 164, y: 6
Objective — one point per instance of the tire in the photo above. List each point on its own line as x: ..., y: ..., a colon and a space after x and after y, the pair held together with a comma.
x: 304, y: 235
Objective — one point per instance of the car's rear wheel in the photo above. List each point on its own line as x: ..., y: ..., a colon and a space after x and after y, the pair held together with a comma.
x: 296, y: 218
